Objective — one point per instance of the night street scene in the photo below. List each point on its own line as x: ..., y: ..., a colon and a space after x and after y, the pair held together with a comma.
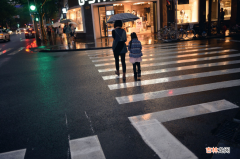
x: 119, y: 79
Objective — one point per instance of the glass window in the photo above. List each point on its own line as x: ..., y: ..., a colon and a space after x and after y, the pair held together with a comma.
x: 225, y: 4
x: 187, y: 11
x: 76, y: 16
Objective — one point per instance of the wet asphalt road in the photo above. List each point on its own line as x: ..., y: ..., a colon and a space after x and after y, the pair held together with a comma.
x: 49, y: 99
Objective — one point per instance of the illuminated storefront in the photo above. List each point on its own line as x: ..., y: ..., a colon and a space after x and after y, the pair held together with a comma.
x: 76, y: 15
x: 225, y: 4
x: 146, y: 11
x: 92, y: 15
x: 187, y: 11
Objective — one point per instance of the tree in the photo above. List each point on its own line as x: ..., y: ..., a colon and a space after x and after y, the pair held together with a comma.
x: 7, y: 11
x: 47, y: 9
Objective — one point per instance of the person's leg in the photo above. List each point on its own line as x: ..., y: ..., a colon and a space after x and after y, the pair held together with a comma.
x: 134, y: 70
x: 123, y: 65
x: 116, y: 56
x: 139, y: 69
x: 123, y: 62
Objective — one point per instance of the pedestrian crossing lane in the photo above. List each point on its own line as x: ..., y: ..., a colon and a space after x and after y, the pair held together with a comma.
x: 174, y: 56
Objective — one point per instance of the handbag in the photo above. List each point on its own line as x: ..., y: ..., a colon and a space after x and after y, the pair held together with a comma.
x: 122, y: 44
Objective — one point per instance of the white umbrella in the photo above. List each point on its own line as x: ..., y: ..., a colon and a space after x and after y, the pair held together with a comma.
x: 65, y: 20
x: 124, y: 17
x: 73, y: 23
x: 57, y: 24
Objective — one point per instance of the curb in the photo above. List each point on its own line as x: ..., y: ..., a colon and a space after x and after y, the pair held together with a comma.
x: 99, y: 48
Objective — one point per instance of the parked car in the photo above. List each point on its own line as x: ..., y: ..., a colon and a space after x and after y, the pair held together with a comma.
x: 4, y: 35
x: 30, y: 33
x: 9, y: 31
x: 18, y: 31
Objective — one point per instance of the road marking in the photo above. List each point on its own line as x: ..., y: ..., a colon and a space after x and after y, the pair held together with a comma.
x: 5, y: 51
x: 19, y: 154
x: 177, y: 91
x: 162, y: 142
x: 176, y: 69
x: 185, y: 112
x: 157, y: 137
x: 14, y: 52
x: 170, y: 69
x: 171, y: 57
x: 152, y: 50
x: 86, y: 148
x: 110, y: 58
x: 171, y: 79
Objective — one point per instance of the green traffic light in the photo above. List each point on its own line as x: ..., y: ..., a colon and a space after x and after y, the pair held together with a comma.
x: 37, y: 19
x: 32, y: 7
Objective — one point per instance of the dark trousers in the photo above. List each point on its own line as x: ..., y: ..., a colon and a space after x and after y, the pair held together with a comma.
x: 134, y: 68
x: 116, y: 56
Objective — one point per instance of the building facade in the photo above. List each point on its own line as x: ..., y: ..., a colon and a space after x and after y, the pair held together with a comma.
x: 92, y: 15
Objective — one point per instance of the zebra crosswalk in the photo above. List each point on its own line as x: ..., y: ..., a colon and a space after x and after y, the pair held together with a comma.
x: 163, y: 65
x: 161, y: 57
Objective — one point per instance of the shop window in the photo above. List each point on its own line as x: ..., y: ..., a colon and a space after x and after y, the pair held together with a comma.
x: 76, y: 16
x: 187, y: 11
x: 225, y: 4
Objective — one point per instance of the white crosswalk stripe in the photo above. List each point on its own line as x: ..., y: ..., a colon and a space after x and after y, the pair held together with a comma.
x: 84, y: 148
x: 146, y: 50
x: 168, y: 63
x: 171, y: 57
x: 5, y: 51
x: 110, y: 58
x: 15, y: 52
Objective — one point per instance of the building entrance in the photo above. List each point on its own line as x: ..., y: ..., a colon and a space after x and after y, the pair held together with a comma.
x: 146, y: 11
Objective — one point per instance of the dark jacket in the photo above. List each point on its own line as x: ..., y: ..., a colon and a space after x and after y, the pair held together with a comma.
x: 118, y: 34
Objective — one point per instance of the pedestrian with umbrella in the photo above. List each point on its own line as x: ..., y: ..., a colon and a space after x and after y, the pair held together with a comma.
x: 119, y: 47
x: 120, y: 37
x: 67, y: 31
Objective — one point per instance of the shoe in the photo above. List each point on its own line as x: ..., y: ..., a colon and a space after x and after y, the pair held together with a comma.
x: 117, y: 73
x: 124, y: 76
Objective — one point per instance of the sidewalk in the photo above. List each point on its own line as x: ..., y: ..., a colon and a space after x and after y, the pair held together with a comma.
x: 83, y: 44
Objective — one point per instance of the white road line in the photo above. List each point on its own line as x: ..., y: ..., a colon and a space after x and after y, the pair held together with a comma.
x: 19, y: 154
x: 185, y: 112
x: 111, y: 58
x: 5, y: 51
x: 177, y: 91
x: 165, y: 63
x: 171, y: 79
x: 163, y: 143
x: 14, y: 52
x: 152, y: 50
x: 178, y: 68
x: 171, y: 57
x: 86, y: 148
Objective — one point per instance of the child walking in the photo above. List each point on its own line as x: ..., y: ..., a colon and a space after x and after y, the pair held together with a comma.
x: 135, y: 49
